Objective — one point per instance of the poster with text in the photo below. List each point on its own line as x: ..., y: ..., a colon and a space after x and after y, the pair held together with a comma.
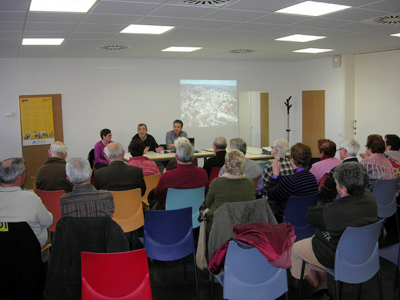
x: 37, y: 126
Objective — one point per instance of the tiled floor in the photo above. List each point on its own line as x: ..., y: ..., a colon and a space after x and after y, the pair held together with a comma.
x: 168, y: 283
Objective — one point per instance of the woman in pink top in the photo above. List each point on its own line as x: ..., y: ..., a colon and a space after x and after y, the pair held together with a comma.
x: 136, y: 149
x: 377, y: 165
x: 327, y: 151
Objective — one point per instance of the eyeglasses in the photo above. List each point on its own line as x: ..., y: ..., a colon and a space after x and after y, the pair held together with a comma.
x: 340, y: 149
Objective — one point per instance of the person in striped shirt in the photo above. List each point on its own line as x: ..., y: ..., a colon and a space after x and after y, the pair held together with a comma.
x: 301, y: 183
x: 84, y: 200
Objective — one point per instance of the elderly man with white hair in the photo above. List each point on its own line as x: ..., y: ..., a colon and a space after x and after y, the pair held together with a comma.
x: 279, y: 150
x: 84, y: 200
x: 51, y: 176
x: 185, y: 176
x: 118, y: 176
x: 17, y: 205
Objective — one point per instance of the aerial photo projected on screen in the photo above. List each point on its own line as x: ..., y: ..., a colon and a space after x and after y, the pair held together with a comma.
x: 206, y: 103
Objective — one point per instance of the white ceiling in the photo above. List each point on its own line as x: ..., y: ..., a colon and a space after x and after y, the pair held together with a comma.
x: 242, y: 24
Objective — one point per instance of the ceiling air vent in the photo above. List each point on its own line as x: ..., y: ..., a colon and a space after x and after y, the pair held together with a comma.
x: 216, y: 3
x: 113, y: 47
x: 241, y: 51
x: 385, y: 20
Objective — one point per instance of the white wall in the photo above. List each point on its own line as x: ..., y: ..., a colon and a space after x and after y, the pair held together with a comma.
x: 377, y: 94
x: 120, y: 93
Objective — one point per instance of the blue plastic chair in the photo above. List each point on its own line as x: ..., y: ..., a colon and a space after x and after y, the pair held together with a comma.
x: 263, y: 164
x: 295, y: 213
x: 248, y: 275
x: 356, y: 258
x: 180, y: 198
x: 385, y: 194
x: 392, y: 254
x: 168, y: 236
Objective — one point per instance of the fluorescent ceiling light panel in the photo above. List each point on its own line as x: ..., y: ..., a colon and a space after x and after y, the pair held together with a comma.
x: 80, y: 6
x: 395, y: 34
x: 181, y: 49
x: 300, y: 38
x: 53, y: 42
x: 313, y: 50
x: 146, y: 29
x: 312, y: 8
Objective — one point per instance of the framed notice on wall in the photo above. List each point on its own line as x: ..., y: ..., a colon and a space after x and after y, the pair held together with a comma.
x: 37, y: 124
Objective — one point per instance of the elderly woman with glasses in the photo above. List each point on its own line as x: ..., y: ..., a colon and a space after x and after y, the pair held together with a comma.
x: 232, y: 186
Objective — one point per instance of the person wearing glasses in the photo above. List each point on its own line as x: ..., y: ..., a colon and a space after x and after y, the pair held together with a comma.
x: 279, y: 150
x: 348, y: 151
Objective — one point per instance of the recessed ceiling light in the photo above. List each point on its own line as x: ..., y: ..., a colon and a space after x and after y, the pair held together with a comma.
x: 300, y: 38
x: 52, y: 42
x: 62, y: 5
x: 146, y: 29
x: 313, y: 50
x: 181, y: 49
x: 311, y: 8
x: 395, y: 34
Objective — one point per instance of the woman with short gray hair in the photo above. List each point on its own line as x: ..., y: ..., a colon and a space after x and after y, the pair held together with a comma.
x: 232, y: 186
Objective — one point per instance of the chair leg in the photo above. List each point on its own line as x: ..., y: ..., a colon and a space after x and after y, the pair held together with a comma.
x: 211, y: 287
x: 195, y: 275
x: 340, y: 289
x: 380, y: 286
x: 397, y: 226
x: 301, y: 279
x: 337, y: 283
x: 359, y: 291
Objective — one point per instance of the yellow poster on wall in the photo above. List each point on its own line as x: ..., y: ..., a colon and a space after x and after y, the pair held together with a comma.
x: 37, y: 125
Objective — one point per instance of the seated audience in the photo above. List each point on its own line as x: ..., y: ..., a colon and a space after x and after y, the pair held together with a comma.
x: 137, y: 148
x: 326, y: 151
x: 17, y: 205
x: 356, y: 207
x: 301, y: 183
x: 51, y: 176
x: 171, y: 165
x: 172, y: 135
x: 252, y: 170
x: 392, y: 152
x: 148, y: 139
x: 279, y: 151
x: 185, y: 176
x: 376, y: 164
x: 219, y: 146
x: 232, y: 186
x: 84, y: 200
x: 118, y: 176
x: 348, y: 151
x: 100, y: 160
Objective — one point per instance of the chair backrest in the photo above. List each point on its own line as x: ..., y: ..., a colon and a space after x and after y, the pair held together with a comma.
x: 385, y: 194
x: 295, y: 212
x: 357, y: 254
x: 180, y: 198
x: 214, y: 173
x: 321, y: 182
x: 33, y: 181
x: 263, y: 164
x: 128, y: 209
x: 151, y: 182
x: 168, y: 234
x: 51, y: 199
x: 22, y: 273
x: 248, y: 275
x: 123, y: 275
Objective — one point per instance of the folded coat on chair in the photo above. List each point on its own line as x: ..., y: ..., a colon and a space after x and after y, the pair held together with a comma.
x: 273, y: 241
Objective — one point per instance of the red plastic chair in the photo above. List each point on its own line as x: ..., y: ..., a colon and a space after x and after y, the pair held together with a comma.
x: 51, y: 199
x: 214, y: 173
x: 123, y: 275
